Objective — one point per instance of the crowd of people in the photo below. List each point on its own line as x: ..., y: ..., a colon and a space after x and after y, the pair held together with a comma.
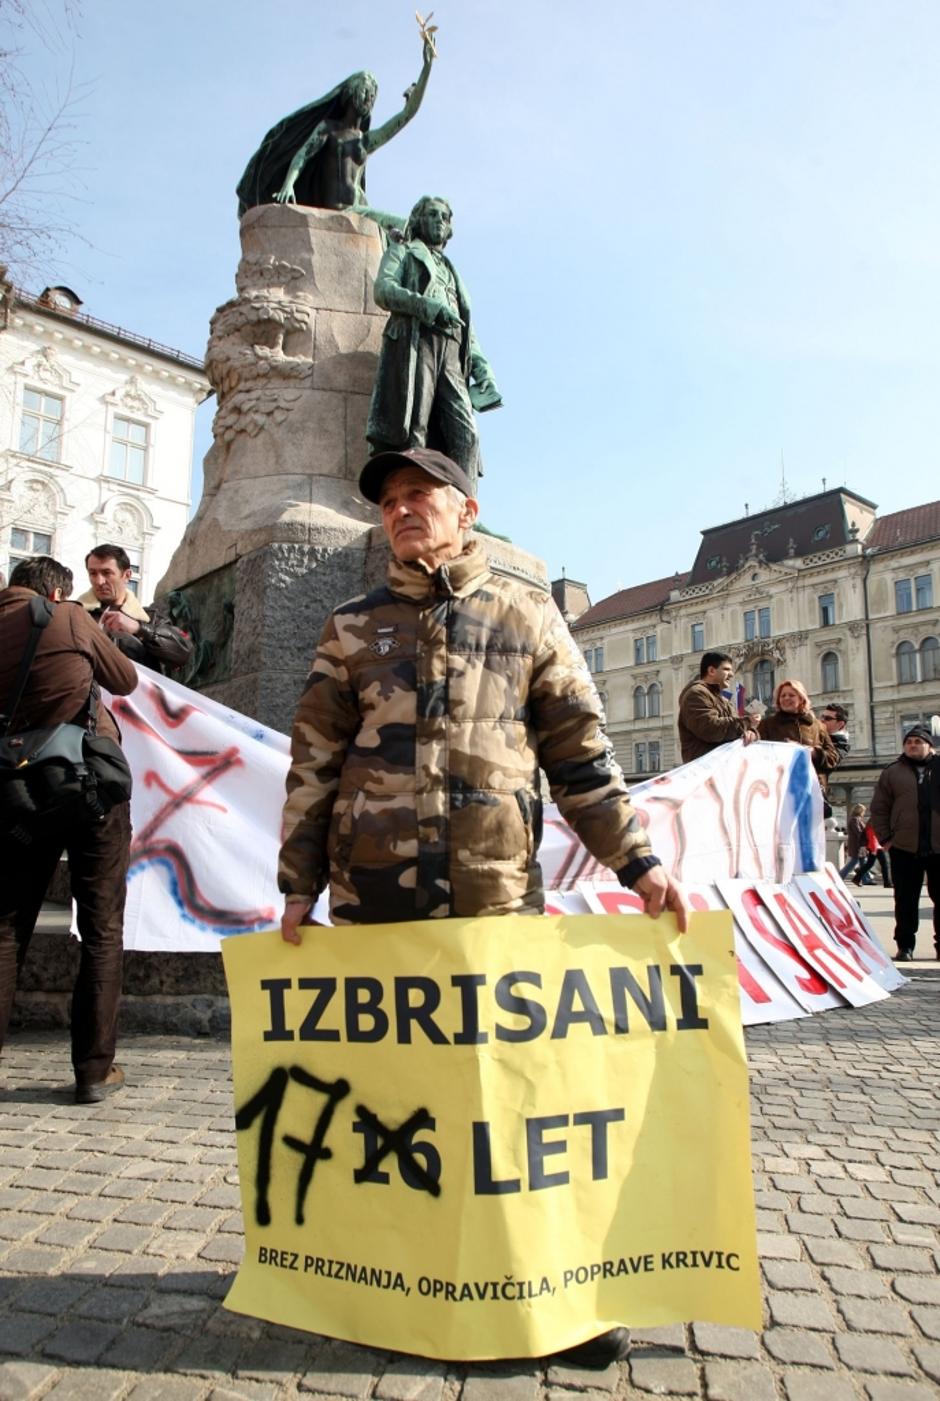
x: 432, y: 705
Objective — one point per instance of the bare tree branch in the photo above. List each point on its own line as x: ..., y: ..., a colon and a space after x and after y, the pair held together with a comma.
x: 38, y: 142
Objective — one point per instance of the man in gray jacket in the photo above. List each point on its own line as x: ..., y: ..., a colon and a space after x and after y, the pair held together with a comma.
x: 905, y: 813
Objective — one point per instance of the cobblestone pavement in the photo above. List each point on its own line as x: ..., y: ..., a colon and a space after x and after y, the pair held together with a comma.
x: 120, y: 1233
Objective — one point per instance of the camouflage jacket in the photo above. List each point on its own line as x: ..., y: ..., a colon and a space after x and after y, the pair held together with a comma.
x: 414, y: 783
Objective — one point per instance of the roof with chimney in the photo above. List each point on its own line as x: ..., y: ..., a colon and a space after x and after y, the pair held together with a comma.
x: 786, y: 531
x: 629, y: 601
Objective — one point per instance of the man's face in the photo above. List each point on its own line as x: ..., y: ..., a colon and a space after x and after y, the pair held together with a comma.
x: 108, y: 581
x: 720, y: 675
x: 422, y: 518
x: 435, y: 226
x: 832, y: 722
x: 917, y: 748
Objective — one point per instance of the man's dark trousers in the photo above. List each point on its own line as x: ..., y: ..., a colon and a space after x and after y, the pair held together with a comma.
x: 907, y: 872
x: 98, y: 860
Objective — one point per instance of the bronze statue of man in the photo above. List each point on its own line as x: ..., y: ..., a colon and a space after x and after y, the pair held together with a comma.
x: 432, y: 373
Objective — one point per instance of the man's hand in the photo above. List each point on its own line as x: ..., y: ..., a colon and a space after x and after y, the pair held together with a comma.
x: 293, y: 918
x: 659, y: 892
x: 113, y: 621
x: 749, y: 736
x: 447, y: 320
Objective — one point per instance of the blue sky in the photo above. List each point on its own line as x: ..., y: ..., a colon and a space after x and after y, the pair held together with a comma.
x: 701, y: 236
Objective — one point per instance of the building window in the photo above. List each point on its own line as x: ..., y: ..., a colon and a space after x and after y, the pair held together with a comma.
x: 128, y: 450
x: 651, y: 648
x: 654, y: 756
x: 588, y: 657
x: 639, y: 758
x: 598, y: 659
x: 930, y: 659
x: 698, y: 637
x: 763, y: 675
x: 639, y: 651
x: 903, y: 598
x: 654, y: 700
x: 756, y: 623
x: 923, y: 591
x: 639, y: 703
x: 827, y: 610
x: 830, y: 671
x: 907, y: 663
x: 24, y: 544
x: 41, y: 425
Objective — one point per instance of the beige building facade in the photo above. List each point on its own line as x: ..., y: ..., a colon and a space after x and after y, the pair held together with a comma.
x: 821, y: 590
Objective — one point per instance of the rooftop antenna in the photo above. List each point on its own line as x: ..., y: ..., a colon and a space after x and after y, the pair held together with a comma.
x: 783, y: 496
x: 824, y: 483
x: 747, y: 509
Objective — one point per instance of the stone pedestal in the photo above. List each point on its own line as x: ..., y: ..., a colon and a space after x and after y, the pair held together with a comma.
x: 281, y: 534
x: 292, y: 360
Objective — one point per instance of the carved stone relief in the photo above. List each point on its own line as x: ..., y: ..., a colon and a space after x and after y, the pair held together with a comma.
x: 45, y: 367
x: 35, y: 502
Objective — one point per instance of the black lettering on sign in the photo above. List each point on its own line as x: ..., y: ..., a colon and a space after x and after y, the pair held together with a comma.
x: 266, y: 1103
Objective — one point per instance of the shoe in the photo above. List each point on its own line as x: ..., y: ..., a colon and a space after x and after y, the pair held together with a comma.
x: 904, y: 956
x: 93, y: 1094
x: 598, y: 1353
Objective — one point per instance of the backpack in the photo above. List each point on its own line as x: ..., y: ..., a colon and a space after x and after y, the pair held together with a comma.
x: 63, y: 774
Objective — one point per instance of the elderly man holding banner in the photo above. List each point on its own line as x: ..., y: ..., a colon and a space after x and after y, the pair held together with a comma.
x: 431, y: 705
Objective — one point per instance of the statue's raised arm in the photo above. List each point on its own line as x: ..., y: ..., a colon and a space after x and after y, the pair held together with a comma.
x: 413, y: 99
x: 317, y: 156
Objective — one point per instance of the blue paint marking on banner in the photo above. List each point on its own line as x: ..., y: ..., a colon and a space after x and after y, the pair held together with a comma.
x: 192, y: 906
x: 800, y: 792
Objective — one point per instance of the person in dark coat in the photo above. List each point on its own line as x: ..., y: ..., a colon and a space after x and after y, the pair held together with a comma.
x: 792, y: 722
x: 905, y: 813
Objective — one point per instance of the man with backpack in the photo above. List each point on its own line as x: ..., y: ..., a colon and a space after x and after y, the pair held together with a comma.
x: 72, y: 658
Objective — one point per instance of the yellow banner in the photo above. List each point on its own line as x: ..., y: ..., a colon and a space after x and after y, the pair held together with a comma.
x: 491, y: 1138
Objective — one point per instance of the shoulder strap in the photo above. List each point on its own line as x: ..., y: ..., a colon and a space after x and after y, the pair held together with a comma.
x: 40, y: 613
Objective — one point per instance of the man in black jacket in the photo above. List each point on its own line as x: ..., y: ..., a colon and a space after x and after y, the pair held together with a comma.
x: 905, y: 814
x: 144, y: 634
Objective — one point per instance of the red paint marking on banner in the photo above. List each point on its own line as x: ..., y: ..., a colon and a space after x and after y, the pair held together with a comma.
x: 174, y: 717
x: 572, y: 849
x: 619, y: 902
x: 749, y: 985
x: 134, y: 720
x: 712, y: 788
x: 153, y: 780
x: 809, y: 980
x: 184, y: 797
x: 844, y: 929
x: 811, y: 942
x: 759, y: 789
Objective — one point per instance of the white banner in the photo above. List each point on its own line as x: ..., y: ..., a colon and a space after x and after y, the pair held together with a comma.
x: 740, y: 827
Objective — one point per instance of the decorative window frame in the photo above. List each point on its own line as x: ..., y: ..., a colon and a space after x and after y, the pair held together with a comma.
x: 43, y: 372
x: 131, y: 401
x: 124, y: 520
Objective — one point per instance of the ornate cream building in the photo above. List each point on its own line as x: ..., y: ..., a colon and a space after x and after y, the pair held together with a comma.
x: 96, y: 433
x: 822, y: 590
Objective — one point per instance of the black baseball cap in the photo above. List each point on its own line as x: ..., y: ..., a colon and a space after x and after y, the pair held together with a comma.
x: 441, y: 468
